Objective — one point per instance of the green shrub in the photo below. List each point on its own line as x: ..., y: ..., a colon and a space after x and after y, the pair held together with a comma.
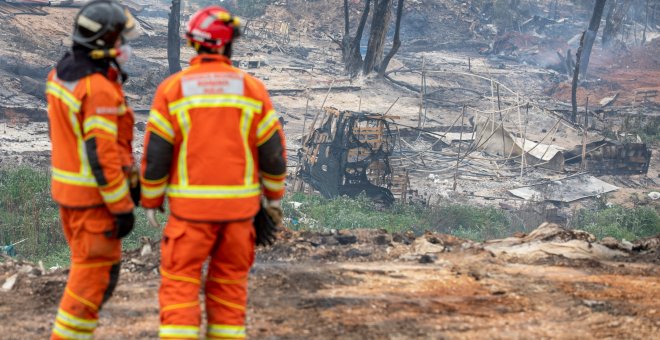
x: 27, y: 211
x: 619, y: 222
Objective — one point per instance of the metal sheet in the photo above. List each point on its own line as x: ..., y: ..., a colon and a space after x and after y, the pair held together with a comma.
x: 565, y: 190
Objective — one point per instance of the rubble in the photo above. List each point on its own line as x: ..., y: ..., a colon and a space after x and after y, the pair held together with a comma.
x: 550, y: 239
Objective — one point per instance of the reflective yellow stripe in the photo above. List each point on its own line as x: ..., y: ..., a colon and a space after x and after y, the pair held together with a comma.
x: 179, y: 331
x: 273, y: 185
x: 246, y: 122
x: 153, y: 192
x: 115, y: 195
x: 153, y: 181
x: 178, y: 278
x: 227, y: 281
x: 180, y: 306
x: 266, y: 124
x: 212, y: 191
x: 73, y: 178
x: 184, y: 123
x: 66, y: 333
x: 161, y: 123
x: 225, y: 302
x: 81, y: 299
x: 75, y: 322
x: 64, y: 95
x: 93, y: 265
x: 215, y: 100
x: 98, y: 122
x: 83, y: 177
x: 226, y: 331
x: 273, y: 177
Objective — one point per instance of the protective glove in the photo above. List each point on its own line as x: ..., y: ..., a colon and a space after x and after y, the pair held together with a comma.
x: 274, y: 210
x: 266, y: 223
x: 151, y: 217
x: 135, y: 187
x: 124, y: 223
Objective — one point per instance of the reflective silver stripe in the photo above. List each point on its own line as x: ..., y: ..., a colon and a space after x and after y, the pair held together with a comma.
x: 246, y: 123
x: 215, y: 100
x: 188, y: 332
x: 226, y: 331
x: 117, y: 194
x: 73, y: 178
x: 153, y: 192
x: 203, y: 191
x: 273, y: 185
x: 70, y: 334
x: 184, y: 123
x: 100, y: 123
x: 64, y: 95
x: 163, y: 124
x: 266, y: 123
x: 70, y: 320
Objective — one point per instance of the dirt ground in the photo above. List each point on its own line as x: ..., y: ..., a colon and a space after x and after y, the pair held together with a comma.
x: 372, y: 285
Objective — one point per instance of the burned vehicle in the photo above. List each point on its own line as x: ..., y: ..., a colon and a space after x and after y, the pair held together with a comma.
x: 349, y: 153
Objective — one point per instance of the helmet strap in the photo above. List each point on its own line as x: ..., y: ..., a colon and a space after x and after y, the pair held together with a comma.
x: 122, y: 74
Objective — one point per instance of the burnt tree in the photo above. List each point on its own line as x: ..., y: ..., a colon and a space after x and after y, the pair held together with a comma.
x: 590, y: 36
x: 173, y: 40
x: 614, y: 21
x: 396, y: 43
x: 576, y: 74
x: 379, y: 24
x: 351, y: 55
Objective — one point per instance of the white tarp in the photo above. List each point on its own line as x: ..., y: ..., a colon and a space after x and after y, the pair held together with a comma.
x: 493, y: 138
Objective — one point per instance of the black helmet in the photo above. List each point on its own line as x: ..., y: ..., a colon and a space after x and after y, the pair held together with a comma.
x: 100, y: 23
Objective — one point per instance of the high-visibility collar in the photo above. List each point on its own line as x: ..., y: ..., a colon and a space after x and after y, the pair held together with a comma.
x: 210, y: 58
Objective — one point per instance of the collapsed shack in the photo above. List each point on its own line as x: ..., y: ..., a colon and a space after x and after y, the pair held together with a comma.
x: 349, y: 153
x: 608, y: 157
x: 495, y: 139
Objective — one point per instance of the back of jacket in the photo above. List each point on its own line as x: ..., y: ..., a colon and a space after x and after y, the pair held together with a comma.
x: 201, y: 147
x: 91, y: 130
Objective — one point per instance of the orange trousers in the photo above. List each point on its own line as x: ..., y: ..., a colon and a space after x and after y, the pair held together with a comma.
x: 94, y: 271
x: 184, y: 249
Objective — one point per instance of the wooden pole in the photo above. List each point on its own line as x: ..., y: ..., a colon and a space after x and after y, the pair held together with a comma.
x: 305, y: 121
x: 499, y: 108
x: 583, y: 164
x: 524, y: 136
x: 458, y: 155
x: 421, y: 95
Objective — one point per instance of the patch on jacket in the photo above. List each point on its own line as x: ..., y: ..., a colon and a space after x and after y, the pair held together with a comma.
x: 212, y: 83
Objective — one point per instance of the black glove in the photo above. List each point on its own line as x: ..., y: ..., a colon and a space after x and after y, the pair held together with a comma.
x: 135, y: 194
x: 124, y: 223
x: 265, y: 228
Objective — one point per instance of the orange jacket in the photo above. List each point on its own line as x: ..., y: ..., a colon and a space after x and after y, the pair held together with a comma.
x: 91, y: 130
x: 214, y: 144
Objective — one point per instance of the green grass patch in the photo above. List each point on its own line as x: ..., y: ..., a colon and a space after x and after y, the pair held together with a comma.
x: 619, y: 222
x: 467, y: 221
x: 28, y: 212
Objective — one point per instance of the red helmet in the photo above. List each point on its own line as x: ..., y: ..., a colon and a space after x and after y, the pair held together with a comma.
x: 213, y: 27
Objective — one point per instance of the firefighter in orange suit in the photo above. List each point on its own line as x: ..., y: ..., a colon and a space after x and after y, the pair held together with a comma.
x: 91, y: 130
x: 215, y: 147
